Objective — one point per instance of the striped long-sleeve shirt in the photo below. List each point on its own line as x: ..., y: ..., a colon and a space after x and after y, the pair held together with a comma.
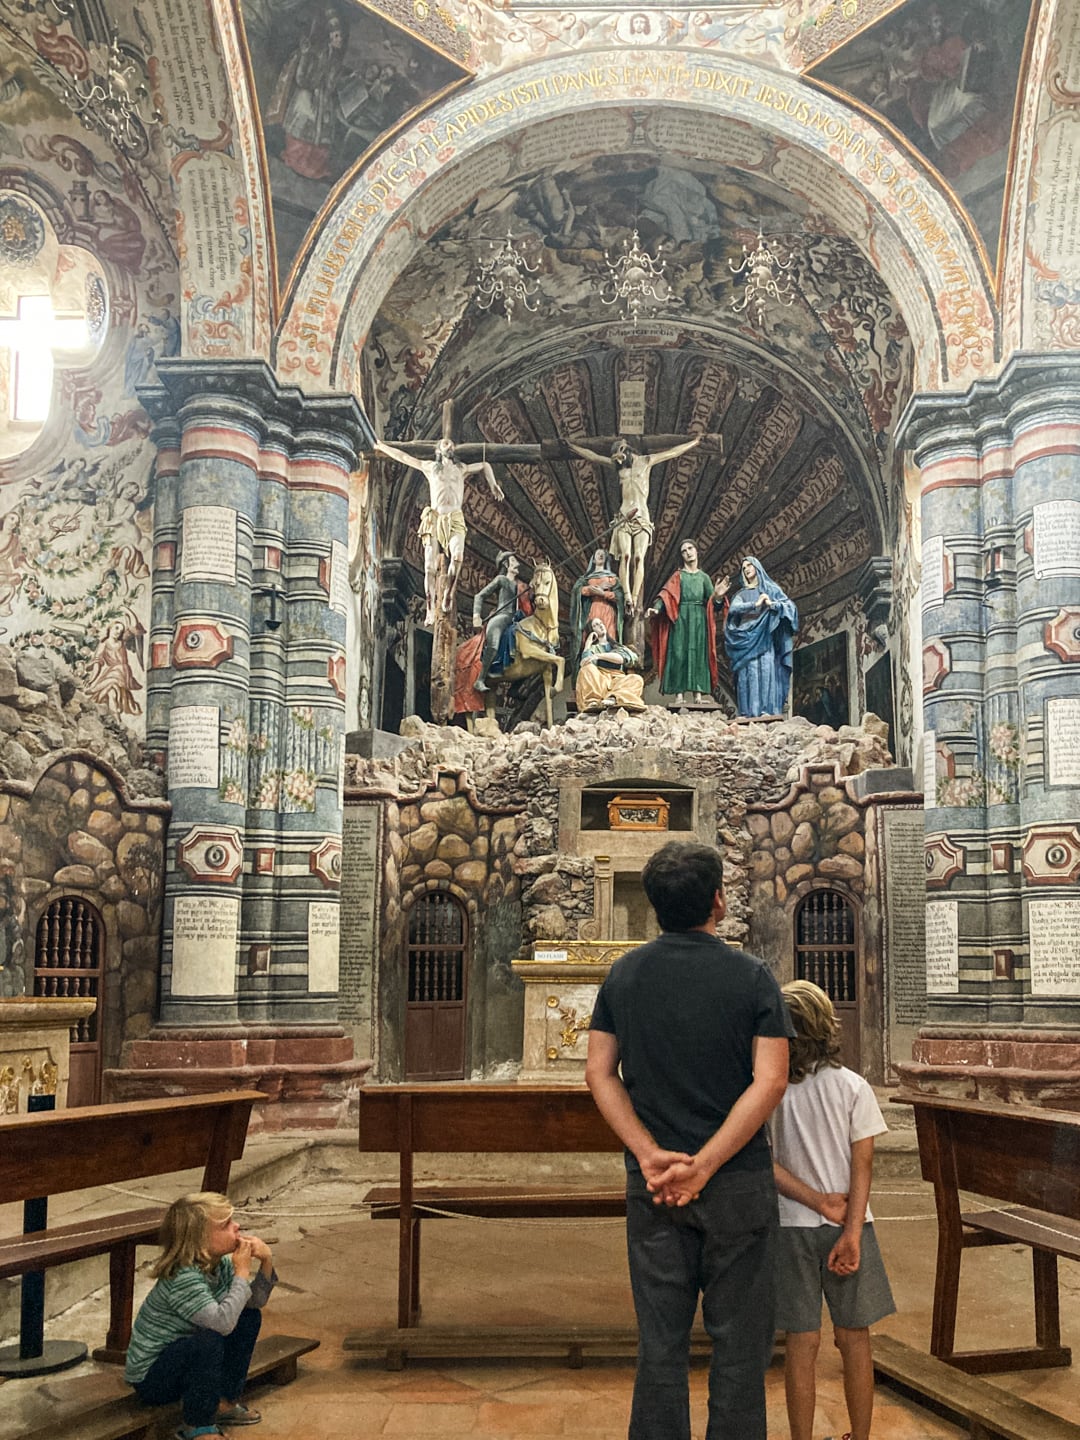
x: 191, y: 1297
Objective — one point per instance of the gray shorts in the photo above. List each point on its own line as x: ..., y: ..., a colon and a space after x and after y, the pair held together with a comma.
x: 802, y: 1277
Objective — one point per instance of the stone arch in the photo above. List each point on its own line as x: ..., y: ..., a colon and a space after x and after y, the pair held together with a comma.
x: 81, y: 836
x: 449, y: 887
x: 794, y: 132
x: 1041, y: 286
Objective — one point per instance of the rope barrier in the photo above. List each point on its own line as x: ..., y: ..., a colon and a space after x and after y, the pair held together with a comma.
x: 434, y: 1211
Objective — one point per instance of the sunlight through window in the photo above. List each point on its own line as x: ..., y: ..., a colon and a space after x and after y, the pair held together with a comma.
x: 34, y: 337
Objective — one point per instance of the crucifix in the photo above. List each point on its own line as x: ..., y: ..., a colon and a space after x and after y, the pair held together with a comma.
x: 442, y: 527
x: 442, y: 533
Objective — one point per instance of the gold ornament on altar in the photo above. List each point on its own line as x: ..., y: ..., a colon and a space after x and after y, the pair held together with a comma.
x: 9, y: 1091
x: 638, y: 812
x: 572, y: 1026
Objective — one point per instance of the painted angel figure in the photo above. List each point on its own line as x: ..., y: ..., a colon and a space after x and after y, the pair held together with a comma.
x: 111, y: 681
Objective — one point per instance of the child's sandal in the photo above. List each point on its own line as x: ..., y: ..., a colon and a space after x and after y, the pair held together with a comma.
x: 238, y: 1414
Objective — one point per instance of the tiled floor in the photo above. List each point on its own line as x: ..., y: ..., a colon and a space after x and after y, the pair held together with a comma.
x: 338, y: 1273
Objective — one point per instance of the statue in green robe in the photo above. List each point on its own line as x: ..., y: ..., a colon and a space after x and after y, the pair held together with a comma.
x: 684, y: 628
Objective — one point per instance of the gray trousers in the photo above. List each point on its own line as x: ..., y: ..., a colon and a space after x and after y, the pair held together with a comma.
x: 720, y: 1246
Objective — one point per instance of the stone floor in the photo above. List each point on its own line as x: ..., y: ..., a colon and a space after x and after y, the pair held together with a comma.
x: 338, y: 1273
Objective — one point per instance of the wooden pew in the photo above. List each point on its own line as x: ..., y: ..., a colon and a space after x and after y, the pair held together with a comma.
x: 1029, y: 1159
x: 61, y: 1151
x: 125, y: 1417
x: 447, y: 1119
x: 983, y: 1410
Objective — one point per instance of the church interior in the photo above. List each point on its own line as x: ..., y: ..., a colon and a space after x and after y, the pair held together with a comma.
x: 383, y: 384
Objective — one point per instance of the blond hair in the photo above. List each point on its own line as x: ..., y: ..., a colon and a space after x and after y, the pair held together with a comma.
x: 817, y: 1030
x: 185, y: 1232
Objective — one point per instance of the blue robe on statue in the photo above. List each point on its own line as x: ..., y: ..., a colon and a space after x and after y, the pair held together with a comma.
x: 759, y: 640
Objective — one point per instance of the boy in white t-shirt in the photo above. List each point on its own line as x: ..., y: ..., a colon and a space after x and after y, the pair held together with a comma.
x: 823, y: 1152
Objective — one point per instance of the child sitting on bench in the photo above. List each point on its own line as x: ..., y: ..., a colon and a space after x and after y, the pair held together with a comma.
x: 194, y: 1335
x: 823, y: 1151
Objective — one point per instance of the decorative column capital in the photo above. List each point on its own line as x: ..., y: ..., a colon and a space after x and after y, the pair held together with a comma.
x: 991, y: 412
x: 189, y: 391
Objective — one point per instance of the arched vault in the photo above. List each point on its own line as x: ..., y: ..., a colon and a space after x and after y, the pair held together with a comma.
x: 854, y: 176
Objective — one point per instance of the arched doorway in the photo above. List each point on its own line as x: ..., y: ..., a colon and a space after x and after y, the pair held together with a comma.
x: 69, y: 960
x: 436, y: 959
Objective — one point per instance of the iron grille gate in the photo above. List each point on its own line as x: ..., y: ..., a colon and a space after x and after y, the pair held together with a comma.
x: 825, y: 945
x: 826, y: 952
x: 435, y: 1003
x: 69, y: 962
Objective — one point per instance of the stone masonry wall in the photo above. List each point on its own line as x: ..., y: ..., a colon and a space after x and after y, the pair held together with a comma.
x: 479, y: 815
x: 78, y: 832
x: 43, y: 713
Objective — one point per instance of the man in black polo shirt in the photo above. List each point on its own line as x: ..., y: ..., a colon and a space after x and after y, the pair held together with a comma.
x: 700, y: 1031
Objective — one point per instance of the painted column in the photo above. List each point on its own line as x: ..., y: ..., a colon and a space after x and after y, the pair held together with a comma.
x: 247, y: 703
x: 1000, y: 473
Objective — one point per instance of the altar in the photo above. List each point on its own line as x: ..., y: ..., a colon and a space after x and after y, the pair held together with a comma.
x: 560, y: 983
x: 505, y: 879
x: 35, y: 1047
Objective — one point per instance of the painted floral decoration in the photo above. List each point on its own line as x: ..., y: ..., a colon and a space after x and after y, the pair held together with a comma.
x: 22, y: 231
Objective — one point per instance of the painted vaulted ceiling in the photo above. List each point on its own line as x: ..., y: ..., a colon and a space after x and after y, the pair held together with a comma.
x: 806, y: 403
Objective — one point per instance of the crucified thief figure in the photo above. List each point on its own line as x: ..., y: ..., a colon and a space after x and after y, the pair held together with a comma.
x: 632, y: 530
x: 442, y: 524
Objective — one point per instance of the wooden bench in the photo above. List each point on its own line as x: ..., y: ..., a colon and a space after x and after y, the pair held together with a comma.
x: 987, y: 1411
x: 61, y: 1151
x: 453, y: 1119
x: 125, y: 1417
x: 1029, y: 1159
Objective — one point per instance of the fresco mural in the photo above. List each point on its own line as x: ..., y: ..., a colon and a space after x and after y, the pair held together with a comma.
x: 701, y: 216
x: 1045, y: 308
x: 74, y: 499
x: 783, y: 488
x: 945, y: 75
x: 527, y: 29
x: 330, y: 78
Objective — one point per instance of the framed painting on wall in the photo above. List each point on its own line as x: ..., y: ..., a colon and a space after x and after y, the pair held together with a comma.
x: 879, y: 693
x: 819, y: 682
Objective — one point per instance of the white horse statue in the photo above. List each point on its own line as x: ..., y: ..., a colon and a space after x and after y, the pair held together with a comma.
x: 533, y: 642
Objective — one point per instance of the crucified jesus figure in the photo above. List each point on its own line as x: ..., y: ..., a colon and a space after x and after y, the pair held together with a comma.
x: 442, y: 524
x: 632, y: 530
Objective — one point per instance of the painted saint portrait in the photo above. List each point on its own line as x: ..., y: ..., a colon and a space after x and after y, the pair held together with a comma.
x: 638, y: 28
x: 945, y: 75
x: 331, y: 77
x: 819, y: 684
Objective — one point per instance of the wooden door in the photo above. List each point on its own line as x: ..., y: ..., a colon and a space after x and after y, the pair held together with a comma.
x: 826, y: 953
x: 435, y: 1003
x: 69, y: 960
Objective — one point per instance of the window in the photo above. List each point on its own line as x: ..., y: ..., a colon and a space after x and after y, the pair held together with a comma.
x: 54, y: 311
x: 436, y: 950
x: 34, y: 336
